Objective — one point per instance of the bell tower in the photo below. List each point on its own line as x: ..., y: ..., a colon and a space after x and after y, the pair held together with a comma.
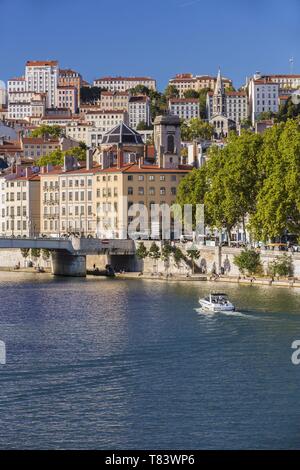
x: 219, y: 97
x: 167, y: 141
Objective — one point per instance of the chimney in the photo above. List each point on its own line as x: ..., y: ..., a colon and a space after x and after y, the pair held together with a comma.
x: 69, y: 163
x: 18, y: 170
x: 89, y: 159
x: 119, y: 156
x: 28, y: 171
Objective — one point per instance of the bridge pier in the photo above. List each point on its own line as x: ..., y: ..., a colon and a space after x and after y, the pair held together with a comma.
x: 65, y: 264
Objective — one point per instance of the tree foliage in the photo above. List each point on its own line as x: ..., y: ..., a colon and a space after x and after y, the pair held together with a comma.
x: 254, y: 177
x: 282, y: 266
x: 195, y: 128
x: 141, y: 251
x: 248, y: 262
x: 47, y: 131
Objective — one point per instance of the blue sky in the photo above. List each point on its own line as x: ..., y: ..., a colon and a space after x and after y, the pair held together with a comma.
x: 158, y: 37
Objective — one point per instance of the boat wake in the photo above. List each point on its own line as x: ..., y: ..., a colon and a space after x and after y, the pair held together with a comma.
x: 202, y: 311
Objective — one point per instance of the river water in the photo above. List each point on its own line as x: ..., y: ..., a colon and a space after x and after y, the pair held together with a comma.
x: 115, y: 364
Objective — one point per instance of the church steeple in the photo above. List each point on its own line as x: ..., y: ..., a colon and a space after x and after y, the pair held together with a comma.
x: 219, y: 98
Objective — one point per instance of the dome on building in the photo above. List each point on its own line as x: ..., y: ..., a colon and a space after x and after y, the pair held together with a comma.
x: 122, y: 134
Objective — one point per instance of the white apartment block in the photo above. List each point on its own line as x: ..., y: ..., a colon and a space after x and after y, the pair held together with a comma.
x: 42, y: 77
x: 185, y: 108
x: 263, y: 97
x: 236, y: 106
x: 3, y: 94
x: 106, y: 120
x: 84, y: 132
x: 24, y: 104
x: 67, y: 202
x: 20, y: 203
x: 124, y: 83
x: 187, y: 81
x: 139, y: 111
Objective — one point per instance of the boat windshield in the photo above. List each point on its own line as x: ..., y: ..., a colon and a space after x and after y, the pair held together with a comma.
x: 219, y: 298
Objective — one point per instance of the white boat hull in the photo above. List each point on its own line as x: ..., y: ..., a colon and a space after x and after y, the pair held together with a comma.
x: 216, y: 307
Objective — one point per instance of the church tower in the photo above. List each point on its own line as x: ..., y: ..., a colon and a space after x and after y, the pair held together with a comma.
x: 219, y: 98
x: 167, y: 141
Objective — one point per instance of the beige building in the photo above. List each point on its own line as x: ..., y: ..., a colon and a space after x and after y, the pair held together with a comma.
x: 69, y: 77
x: 187, y: 81
x: 66, y: 200
x: 105, y: 120
x: 114, y: 100
x: 124, y: 83
x: 36, y: 147
x: 67, y: 97
x: 22, y: 204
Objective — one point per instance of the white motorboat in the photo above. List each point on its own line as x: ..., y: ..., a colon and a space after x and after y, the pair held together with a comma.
x: 217, y: 302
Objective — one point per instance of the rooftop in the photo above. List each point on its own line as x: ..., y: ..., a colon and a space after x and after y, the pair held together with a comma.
x: 122, y: 134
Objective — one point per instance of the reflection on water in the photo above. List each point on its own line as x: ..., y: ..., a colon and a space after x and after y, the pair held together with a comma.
x: 110, y: 364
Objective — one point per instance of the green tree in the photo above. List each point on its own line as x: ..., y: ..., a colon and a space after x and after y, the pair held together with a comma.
x: 202, y: 101
x: 25, y: 252
x: 278, y: 198
x: 35, y: 252
x: 47, y: 131
x: 141, y: 251
x: 193, y: 254
x: 142, y: 126
x: 154, y: 253
x: 248, y: 262
x: 191, y: 94
x: 140, y: 90
x: 54, y: 158
x: 90, y: 94
x: 166, y: 253
x: 45, y: 254
x: 282, y: 266
x: 171, y: 92
x: 178, y: 256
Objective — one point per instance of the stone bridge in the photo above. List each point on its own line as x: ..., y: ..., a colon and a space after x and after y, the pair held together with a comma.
x: 68, y: 255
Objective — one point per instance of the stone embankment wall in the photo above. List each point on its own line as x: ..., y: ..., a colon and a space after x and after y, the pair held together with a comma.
x: 10, y: 258
x: 212, y: 259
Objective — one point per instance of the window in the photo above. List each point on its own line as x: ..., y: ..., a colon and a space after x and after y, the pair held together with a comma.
x: 130, y: 191
x: 141, y: 177
x: 151, y: 177
x: 141, y: 191
x: 162, y: 178
x: 152, y: 191
x: 130, y: 177
x: 173, y: 191
x: 162, y: 191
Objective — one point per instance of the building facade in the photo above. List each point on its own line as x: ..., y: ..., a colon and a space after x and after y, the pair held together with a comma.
x: 124, y: 83
x: 185, y: 108
x: 67, y: 97
x: 263, y: 97
x: 188, y: 81
x: 139, y: 111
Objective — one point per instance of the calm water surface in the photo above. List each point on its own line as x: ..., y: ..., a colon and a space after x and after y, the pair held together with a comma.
x: 114, y: 364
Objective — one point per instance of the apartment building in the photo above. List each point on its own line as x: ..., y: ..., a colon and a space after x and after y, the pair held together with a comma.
x: 84, y: 132
x: 291, y: 81
x: 263, y: 97
x: 42, y: 77
x: 114, y: 100
x: 67, y: 97
x: 3, y: 95
x: 105, y: 120
x: 70, y: 78
x: 67, y: 199
x: 236, y: 105
x: 37, y: 147
x: 22, y: 204
x: 25, y: 104
x: 187, y: 81
x: 124, y: 83
x: 139, y: 111
x: 185, y: 108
